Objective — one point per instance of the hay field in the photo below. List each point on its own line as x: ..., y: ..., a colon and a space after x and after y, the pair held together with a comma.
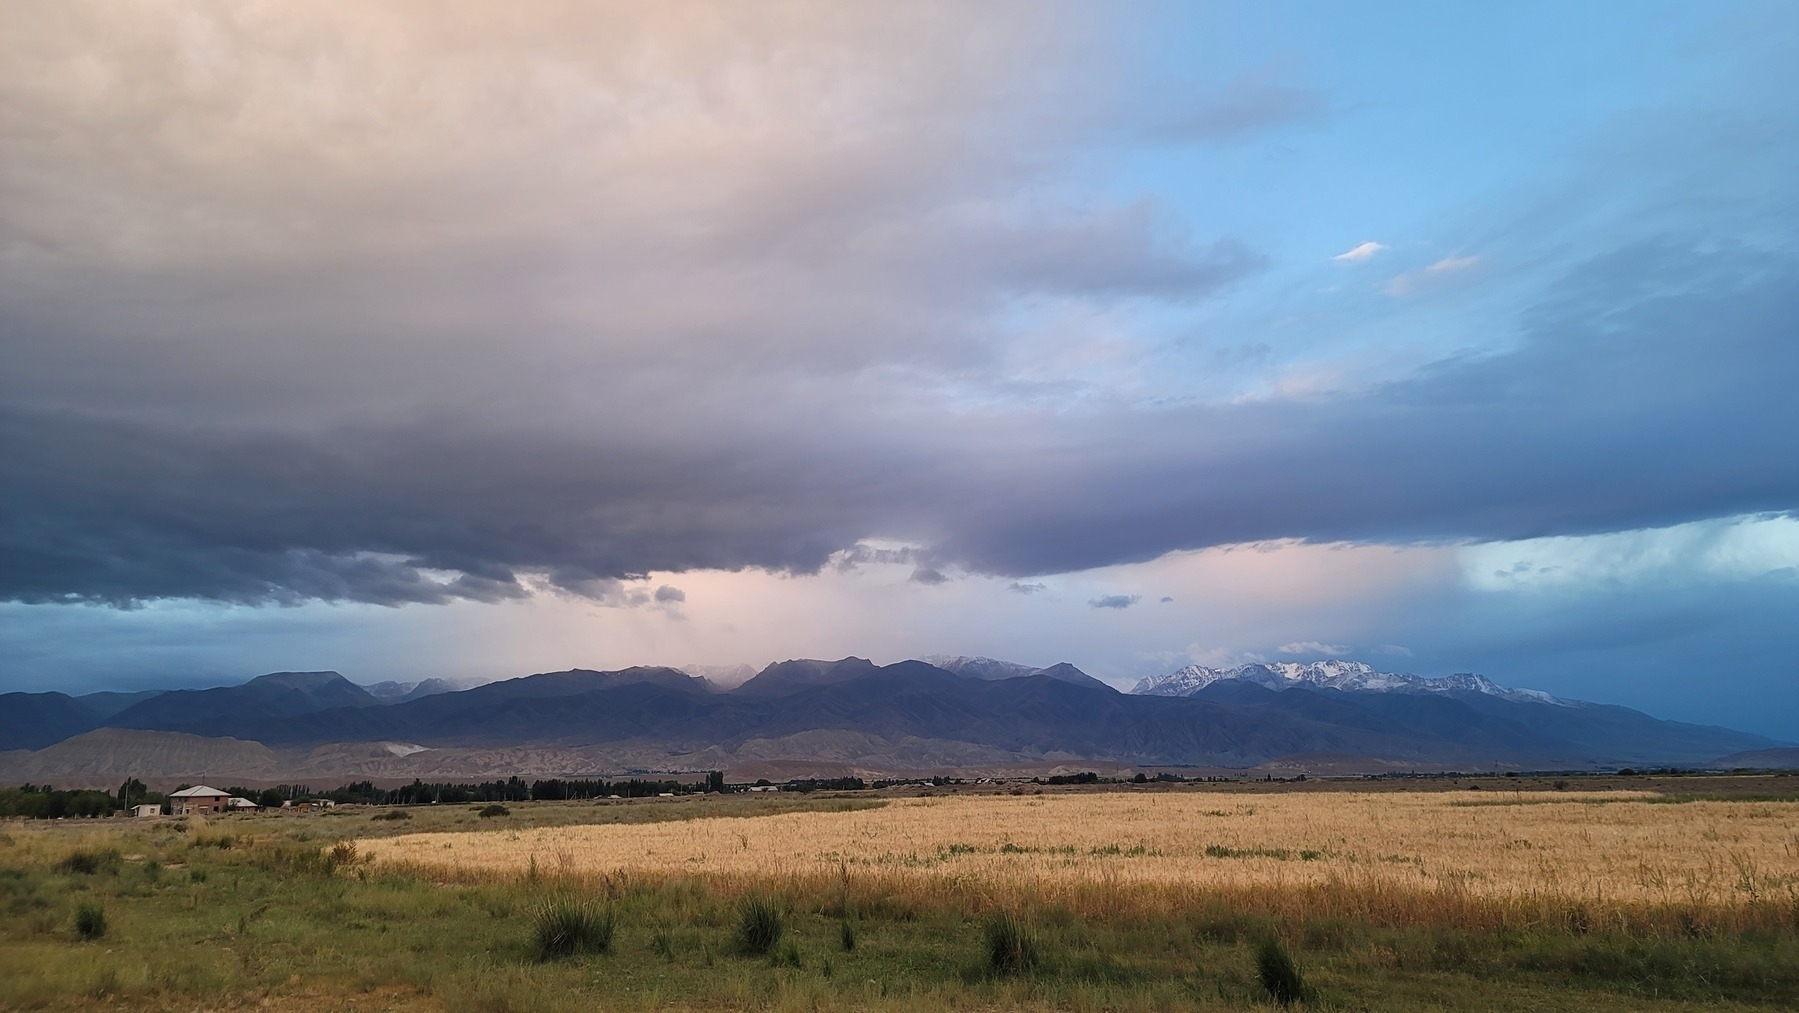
x: 1605, y: 849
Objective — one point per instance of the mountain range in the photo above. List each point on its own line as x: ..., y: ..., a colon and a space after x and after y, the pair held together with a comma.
x: 1350, y: 676
x: 845, y: 715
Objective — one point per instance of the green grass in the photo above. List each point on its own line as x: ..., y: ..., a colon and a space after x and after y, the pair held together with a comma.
x: 759, y: 925
x: 568, y: 925
x: 1011, y: 948
x: 90, y: 921
x: 90, y: 861
x: 283, y: 914
x: 1279, y: 975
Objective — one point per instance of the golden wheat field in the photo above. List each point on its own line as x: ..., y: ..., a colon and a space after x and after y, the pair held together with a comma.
x: 1599, y: 848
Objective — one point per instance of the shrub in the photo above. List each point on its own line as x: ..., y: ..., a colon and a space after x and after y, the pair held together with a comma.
x: 568, y: 924
x: 90, y: 861
x: 1279, y: 974
x: 759, y: 926
x: 392, y: 814
x: 90, y: 921
x: 1010, y: 947
x: 489, y: 812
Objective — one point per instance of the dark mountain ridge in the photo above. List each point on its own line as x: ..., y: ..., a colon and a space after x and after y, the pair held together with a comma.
x: 265, y: 699
x: 1050, y: 713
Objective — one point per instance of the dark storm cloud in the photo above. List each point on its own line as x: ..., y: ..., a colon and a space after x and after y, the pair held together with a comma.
x: 1624, y: 408
x: 266, y: 351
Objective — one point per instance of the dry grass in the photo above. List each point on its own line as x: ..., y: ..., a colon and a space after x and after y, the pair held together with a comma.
x: 1372, y: 855
x: 1131, y: 900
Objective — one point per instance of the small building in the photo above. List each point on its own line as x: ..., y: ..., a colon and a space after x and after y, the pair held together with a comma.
x: 198, y: 800
x: 237, y: 803
x: 146, y: 810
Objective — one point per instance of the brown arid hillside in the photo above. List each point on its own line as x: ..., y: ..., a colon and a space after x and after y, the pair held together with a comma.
x: 106, y: 756
x: 102, y: 758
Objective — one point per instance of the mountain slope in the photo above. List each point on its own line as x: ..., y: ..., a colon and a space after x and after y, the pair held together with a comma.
x: 992, y: 670
x: 35, y: 720
x: 108, y: 704
x: 1486, y: 723
x: 109, y: 755
x: 264, y: 699
x: 784, y: 677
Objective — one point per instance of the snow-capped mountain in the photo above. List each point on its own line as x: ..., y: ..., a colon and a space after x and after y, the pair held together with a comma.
x: 1350, y: 676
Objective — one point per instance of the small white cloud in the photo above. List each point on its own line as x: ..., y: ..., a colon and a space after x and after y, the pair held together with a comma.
x: 1450, y: 264
x: 1412, y: 282
x: 1313, y: 647
x: 1366, y: 251
x: 1397, y: 650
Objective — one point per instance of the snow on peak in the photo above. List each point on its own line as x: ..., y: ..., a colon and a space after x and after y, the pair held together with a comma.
x: 1349, y: 676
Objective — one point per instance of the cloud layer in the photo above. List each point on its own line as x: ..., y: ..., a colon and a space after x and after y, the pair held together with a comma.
x: 392, y: 304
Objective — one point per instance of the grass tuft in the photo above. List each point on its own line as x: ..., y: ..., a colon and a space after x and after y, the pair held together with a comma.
x: 1279, y: 975
x: 568, y: 924
x: 90, y: 921
x: 759, y: 925
x: 1011, y: 949
x: 90, y: 861
x: 847, y: 936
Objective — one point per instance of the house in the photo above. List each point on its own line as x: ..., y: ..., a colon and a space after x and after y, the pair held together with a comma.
x: 239, y: 804
x: 198, y: 800
x: 146, y: 810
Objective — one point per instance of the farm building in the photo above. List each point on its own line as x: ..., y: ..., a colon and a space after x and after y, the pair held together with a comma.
x: 198, y: 800
x: 239, y: 804
x: 146, y: 810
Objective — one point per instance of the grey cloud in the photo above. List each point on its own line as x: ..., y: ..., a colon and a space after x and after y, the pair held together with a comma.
x: 1665, y: 410
x: 1165, y: 599
x: 929, y: 575
x: 1116, y: 601
x: 1314, y: 647
x: 276, y: 355
x: 669, y: 593
x: 1629, y: 409
x: 1021, y: 587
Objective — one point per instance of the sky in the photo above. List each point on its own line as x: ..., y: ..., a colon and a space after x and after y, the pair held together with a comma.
x: 468, y: 341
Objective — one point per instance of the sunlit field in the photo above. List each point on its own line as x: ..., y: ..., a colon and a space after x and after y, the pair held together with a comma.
x: 1187, y: 897
x: 1602, y: 849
